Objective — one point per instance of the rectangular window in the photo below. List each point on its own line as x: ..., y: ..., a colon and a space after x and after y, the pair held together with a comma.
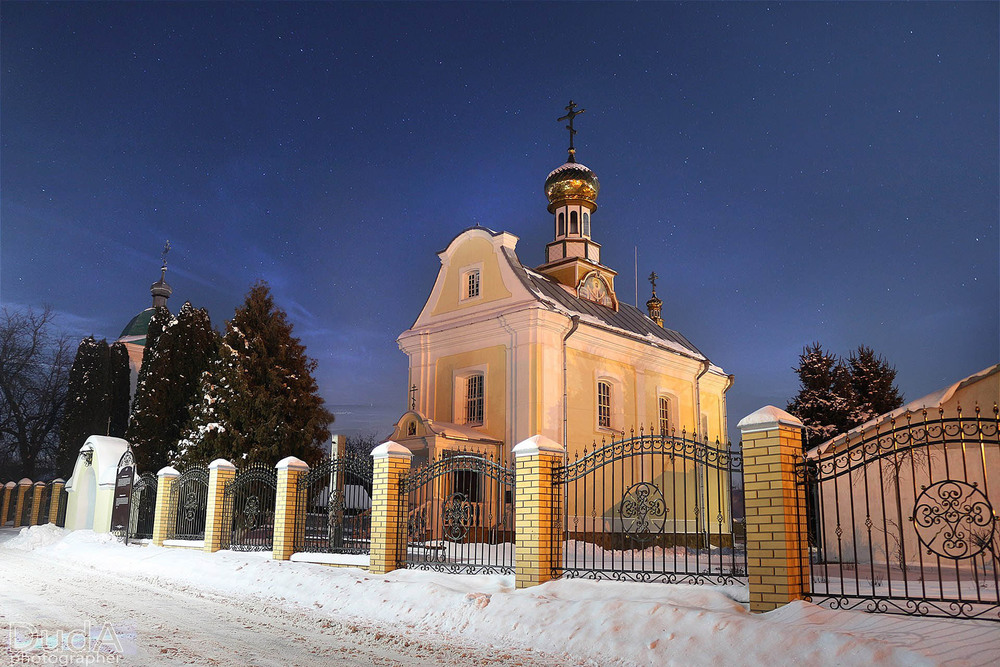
x: 604, y: 404
x: 664, y: 416
x: 472, y: 284
x: 474, y: 399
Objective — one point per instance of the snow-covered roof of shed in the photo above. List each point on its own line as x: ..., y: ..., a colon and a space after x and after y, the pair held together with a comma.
x: 107, y: 452
x: 934, y: 399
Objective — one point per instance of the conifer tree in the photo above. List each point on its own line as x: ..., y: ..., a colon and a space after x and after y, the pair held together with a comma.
x: 834, y: 397
x: 87, y: 402
x: 873, y: 383
x: 259, y: 400
x: 119, y: 390
x: 825, y: 402
x: 183, y: 348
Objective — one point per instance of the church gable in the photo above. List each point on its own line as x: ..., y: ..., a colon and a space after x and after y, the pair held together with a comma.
x: 472, y: 274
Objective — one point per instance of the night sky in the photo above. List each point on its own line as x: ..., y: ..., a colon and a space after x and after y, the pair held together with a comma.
x: 794, y: 173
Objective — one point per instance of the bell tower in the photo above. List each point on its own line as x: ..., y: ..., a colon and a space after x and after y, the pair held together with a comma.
x: 573, y: 255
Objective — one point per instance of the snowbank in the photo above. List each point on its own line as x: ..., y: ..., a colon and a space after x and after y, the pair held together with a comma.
x: 605, y: 622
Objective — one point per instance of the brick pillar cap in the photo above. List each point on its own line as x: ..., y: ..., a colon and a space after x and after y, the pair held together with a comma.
x: 58, y: 480
x: 291, y: 463
x: 40, y: 483
x: 168, y: 472
x: 10, y: 485
x: 24, y: 482
x: 221, y: 464
x: 768, y: 417
x: 535, y: 445
x: 391, y: 449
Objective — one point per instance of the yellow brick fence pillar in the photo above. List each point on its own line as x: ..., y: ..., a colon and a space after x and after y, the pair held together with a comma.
x: 23, y: 496
x: 56, y: 499
x: 8, y: 498
x: 287, y: 515
x: 217, y: 529
x: 538, y: 552
x: 777, y: 543
x: 36, y: 502
x: 163, y: 518
x: 388, y: 543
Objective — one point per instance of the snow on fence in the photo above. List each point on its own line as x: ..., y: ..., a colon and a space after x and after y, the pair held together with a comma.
x: 901, y: 521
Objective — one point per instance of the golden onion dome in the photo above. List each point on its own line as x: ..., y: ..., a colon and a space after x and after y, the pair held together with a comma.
x: 571, y: 182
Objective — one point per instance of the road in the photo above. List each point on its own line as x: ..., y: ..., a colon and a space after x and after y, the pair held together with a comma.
x: 180, y: 625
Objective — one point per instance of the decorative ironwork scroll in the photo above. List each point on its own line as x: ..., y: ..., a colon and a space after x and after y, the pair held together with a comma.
x: 457, y: 513
x: 642, y: 510
x: 954, y: 519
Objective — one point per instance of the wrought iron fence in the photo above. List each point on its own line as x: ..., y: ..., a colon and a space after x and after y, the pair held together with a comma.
x: 189, y: 504
x: 248, y: 508
x: 11, y: 506
x: 63, y: 501
x: 44, y: 503
x: 903, y: 517
x: 142, y: 511
x: 652, y: 507
x: 334, y: 498
x: 29, y: 500
x: 459, y: 513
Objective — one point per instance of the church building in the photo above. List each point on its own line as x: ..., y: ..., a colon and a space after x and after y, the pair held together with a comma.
x: 502, y: 351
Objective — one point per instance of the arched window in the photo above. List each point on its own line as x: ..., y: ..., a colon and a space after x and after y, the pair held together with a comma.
x: 474, y: 399
x: 586, y: 224
x: 664, y: 416
x: 604, y: 404
x: 574, y: 227
x: 562, y: 224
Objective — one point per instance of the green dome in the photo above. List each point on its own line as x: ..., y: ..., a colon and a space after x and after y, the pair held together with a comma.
x: 135, y: 331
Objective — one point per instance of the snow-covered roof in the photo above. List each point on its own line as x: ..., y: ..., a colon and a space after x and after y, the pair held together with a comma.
x: 457, y: 432
x: 935, y: 399
x: 627, y: 320
x: 107, y: 452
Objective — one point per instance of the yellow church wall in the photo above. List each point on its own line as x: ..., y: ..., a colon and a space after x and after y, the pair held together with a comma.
x: 473, y: 253
x: 639, y: 379
x: 449, y: 395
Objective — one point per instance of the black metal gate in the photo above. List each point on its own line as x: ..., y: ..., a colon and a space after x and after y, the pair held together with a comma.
x: 652, y: 507
x: 459, y: 514
x: 29, y: 501
x: 189, y: 501
x: 903, y: 517
x: 143, y: 508
x: 11, y: 506
x: 63, y: 501
x: 248, y: 502
x: 43, y: 505
x: 334, y: 498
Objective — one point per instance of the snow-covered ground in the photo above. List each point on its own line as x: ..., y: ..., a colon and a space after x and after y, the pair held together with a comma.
x: 183, y: 606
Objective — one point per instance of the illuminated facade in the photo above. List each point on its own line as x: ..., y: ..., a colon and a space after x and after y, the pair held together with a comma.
x: 501, y: 352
